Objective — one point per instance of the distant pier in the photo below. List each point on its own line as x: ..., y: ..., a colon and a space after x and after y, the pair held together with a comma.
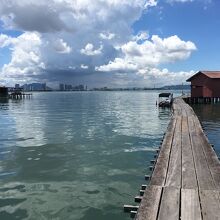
x: 185, y: 179
x: 13, y: 94
x: 19, y: 95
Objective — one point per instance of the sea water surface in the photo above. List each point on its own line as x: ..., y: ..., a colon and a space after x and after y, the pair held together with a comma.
x: 76, y: 155
x: 209, y: 116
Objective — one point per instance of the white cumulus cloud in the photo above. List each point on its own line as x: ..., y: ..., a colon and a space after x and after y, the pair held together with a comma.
x: 61, y: 47
x: 26, y: 57
x: 90, y: 51
x: 83, y: 66
x: 119, y: 65
x: 5, y: 40
x: 60, y: 38
x: 70, y: 33
x: 107, y: 36
x: 151, y: 53
x: 150, y: 3
x: 142, y: 35
x: 164, y: 76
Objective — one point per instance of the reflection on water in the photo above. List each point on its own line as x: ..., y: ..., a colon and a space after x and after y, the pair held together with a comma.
x: 3, y: 104
x: 76, y: 155
x: 209, y: 115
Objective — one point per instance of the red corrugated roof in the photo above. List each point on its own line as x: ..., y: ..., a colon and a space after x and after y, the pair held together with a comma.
x: 210, y: 74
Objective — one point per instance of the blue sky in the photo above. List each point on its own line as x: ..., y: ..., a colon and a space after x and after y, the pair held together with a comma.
x: 197, y: 21
x: 115, y: 43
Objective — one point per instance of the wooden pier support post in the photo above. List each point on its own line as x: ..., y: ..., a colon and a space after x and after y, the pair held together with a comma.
x: 138, y: 199
x: 142, y: 192
x: 147, y: 177
x: 143, y: 187
x: 129, y: 208
x: 133, y: 214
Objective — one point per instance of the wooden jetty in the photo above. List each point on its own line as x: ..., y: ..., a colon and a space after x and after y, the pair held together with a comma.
x: 13, y: 94
x: 185, y: 181
x: 19, y: 95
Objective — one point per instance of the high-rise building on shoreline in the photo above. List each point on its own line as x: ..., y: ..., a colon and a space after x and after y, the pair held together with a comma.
x: 69, y: 87
x: 34, y: 87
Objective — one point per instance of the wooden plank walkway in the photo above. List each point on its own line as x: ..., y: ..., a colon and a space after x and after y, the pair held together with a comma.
x: 185, y: 183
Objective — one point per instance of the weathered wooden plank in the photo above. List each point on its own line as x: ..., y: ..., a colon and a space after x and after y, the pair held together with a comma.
x: 185, y: 106
x: 174, y: 169
x: 189, y: 110
x: 210, y: 204
x: 176, y: 107
x: 160, y: 170
x: 189, y: 180
x: 182, y: 106
x: 186, y: 164
x: 198, y: 124
x: 211, y: 157
x: 170, y: 203
x: 190, y: 205
x: 204, y: 177
x: 214, y: 164
x: 149, y: 206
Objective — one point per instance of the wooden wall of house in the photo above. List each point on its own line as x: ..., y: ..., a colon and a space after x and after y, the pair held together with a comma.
x: 203, y: 86
x: 214, y: 85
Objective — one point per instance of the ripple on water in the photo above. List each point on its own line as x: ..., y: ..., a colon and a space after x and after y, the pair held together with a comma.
x: 76, y: 156
x: 137, y: 149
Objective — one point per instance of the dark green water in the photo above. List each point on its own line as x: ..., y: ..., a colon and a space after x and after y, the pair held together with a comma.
x: 209, y: 116
x: 77, y: 156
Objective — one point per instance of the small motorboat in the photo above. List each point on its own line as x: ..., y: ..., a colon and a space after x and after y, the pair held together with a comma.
x: 165, y: 99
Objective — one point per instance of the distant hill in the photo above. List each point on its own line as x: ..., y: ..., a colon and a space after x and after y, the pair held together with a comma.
x: 177, y: 87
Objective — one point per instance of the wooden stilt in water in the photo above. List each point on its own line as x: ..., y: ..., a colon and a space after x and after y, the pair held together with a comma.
x: 133, y: 214
x: 142, y: 192
x: 138, y: 199
x: 143, y: 187
x: 151, y: 168
x: 146, y: 177
x: 128, y: 208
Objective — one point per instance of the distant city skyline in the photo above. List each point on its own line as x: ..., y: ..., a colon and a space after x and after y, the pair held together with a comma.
x: 69, y: 87
x: 32, y: 86
x: 107, y: 43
